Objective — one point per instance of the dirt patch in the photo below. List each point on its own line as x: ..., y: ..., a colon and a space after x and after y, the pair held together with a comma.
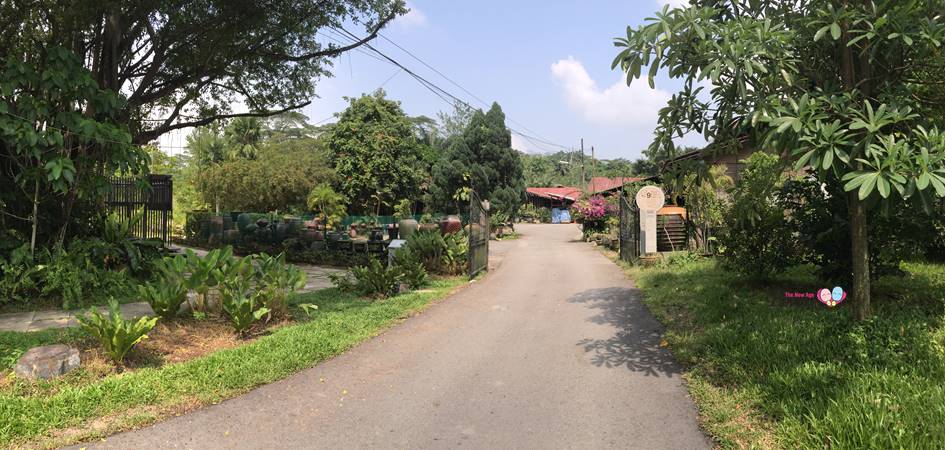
x: 168, y: 343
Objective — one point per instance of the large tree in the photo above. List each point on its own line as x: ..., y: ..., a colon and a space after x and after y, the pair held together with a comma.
x: 375, y: 154
x: 481, y: 159
x: 836, y: 84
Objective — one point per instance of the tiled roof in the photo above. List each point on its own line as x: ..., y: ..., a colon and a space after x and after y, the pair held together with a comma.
x: 555, y: 193
x: 604, y: 184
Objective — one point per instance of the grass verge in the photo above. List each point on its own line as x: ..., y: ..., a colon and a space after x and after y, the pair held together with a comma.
x: 137, y: 398
x: 772, y: 372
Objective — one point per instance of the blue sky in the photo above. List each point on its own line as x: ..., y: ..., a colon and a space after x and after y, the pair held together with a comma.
x: 547, y: 63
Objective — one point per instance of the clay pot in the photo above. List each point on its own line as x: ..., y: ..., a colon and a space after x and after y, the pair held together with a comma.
x: 450, y: 224
x: 407, y: 227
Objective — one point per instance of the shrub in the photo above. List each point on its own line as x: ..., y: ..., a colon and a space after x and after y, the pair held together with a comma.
x: 440, y: 254
x: 240, y: 303
x: 165, y: 297
x: 414, y: 274
x: 757, y: 241
x: 115, y: 334
x: 205, y: 272
x: 277, y: 282
x: 373, y: 280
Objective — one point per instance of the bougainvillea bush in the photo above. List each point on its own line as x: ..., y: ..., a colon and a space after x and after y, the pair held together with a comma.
x: 592, y: 213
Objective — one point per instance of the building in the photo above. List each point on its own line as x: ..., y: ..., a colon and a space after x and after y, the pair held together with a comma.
x: 607, y: 186
x: 561, y: 197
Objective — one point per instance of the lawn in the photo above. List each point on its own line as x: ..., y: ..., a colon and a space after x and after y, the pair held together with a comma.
x: 76, y: 407
x: 769, y: 371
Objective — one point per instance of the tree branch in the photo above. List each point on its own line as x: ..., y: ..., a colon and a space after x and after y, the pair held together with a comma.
x: 333, y: 51
x: 147, y: 136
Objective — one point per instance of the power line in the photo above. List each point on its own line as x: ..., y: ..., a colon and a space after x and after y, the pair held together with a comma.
x: 440, y: 92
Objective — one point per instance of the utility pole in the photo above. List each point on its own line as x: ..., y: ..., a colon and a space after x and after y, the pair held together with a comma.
x: 593, y: 164
x: 583, y: 177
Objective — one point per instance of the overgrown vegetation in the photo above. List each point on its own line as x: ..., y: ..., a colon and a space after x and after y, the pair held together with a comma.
x: 770, y: 371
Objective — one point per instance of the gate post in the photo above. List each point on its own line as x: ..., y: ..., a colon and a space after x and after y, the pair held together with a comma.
x: 478, y: 258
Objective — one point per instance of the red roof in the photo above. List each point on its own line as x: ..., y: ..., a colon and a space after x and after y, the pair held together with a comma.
x: 555, y: 193
x: 604, y: 184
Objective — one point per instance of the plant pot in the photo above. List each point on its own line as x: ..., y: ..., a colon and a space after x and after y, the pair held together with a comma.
x: 376, y: 235
x: 428, y: 227
x: 450, y: 224
x: 392, y: 231
x: 407, y: 227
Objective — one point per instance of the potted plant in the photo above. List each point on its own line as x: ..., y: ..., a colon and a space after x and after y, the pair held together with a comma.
x: 330, y: 206
x: 406, y: 224
x: 427, y: 223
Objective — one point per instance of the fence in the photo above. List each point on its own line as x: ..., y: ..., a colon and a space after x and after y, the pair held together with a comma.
x: 629, y: 231
x: 153, y: 199
x: 478, y: 236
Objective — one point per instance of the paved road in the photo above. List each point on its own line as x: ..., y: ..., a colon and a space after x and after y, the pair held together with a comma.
x: 553, y: 349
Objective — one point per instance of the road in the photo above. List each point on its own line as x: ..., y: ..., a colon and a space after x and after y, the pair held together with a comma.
x: 552, y: 349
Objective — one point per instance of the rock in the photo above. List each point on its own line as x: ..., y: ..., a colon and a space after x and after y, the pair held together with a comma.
x: 403, y: 288
x: 47, y: 362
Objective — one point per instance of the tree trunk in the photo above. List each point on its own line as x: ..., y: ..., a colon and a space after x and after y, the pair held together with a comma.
x: 35, y: 219
x: 859, y: 238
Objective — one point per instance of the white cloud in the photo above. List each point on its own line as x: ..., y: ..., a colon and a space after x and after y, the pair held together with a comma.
x: 414, y: 18
x: 618, y: 104
x: 674, y: 3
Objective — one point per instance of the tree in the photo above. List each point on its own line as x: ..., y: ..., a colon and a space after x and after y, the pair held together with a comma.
x: 833, y: 84
x: 481, y: 159
x: 49, y: 146
x: 181, y: 64
x: 279, y: 179
x: 375, y: 153
x: 328, y: 204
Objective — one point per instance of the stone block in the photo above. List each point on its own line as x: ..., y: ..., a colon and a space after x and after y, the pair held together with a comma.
x: 47, y: 362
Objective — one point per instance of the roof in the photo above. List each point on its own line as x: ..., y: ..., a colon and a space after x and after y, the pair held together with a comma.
x: 555, y: 193
x: 604, y: 184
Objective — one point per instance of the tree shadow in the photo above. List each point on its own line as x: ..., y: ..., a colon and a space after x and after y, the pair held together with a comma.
x: 636, y: 344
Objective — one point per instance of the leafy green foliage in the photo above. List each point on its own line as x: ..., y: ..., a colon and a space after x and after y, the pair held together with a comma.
x: 375, y: 153
x: 165, y: 297
x: 330, y: 206
x: 278, y: 281
x: 438, y: 253
x: 414, y: 273
x: 242, y: 305
x: 767, y: 371
x: 374, y: 280
x: 480, y: 159
x: 115, y: 334
x: 757, y: 240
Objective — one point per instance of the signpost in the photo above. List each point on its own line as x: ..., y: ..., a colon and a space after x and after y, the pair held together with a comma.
x: 649, y: 199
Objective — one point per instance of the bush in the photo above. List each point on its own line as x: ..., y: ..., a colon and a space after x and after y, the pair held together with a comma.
x: 817, y: 214
x: 373, y: 280
x: 115, y: 334
x: 277, y: 282
x: 414, y: 274
x: 164, y: 297
x: 240, y: 303
x: 446, y: 255
x: 757, y: 241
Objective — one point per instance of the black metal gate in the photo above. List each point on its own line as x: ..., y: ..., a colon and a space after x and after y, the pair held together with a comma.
x: 478, y: 236
x: 629, y: 231
x: 128, y: 196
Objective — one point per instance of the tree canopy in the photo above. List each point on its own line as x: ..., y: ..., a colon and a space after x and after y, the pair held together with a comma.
x: 482, y: 159
x: 375, y: 154
x: 834, y: 85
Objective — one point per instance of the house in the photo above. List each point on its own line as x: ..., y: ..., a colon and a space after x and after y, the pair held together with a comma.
x: 606, y: 186
x: 561, y: 197
x: 712, y: 155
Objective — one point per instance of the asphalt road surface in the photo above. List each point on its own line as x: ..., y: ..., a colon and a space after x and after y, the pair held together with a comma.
x: 552, y: 349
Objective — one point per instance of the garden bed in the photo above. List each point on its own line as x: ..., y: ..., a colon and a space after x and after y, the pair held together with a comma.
x: 185, y: 364
x: 770, y: 371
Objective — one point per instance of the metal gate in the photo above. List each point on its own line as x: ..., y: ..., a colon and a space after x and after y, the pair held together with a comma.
x: 478, y: 236
x: 128, y: 196
x: 629, y: 231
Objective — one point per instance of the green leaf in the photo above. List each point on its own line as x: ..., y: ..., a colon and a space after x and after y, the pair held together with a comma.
x: 821, y: 32
x: 835, y: 30
x: 883, y: 186
x: 828, y: 160
x: 867, y: 187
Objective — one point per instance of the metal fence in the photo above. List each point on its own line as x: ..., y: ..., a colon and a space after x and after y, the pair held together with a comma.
x: 629, y: 231
x: 129, y: 196
x: 478, y: 236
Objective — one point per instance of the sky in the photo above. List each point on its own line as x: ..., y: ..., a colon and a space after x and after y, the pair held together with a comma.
x: 547, y: 63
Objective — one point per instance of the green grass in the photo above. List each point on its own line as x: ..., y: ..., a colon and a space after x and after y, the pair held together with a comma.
x: 767, y: 371
x: 341, y: 322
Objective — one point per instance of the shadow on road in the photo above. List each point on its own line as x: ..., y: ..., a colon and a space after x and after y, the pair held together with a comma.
x: 636, y: 345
